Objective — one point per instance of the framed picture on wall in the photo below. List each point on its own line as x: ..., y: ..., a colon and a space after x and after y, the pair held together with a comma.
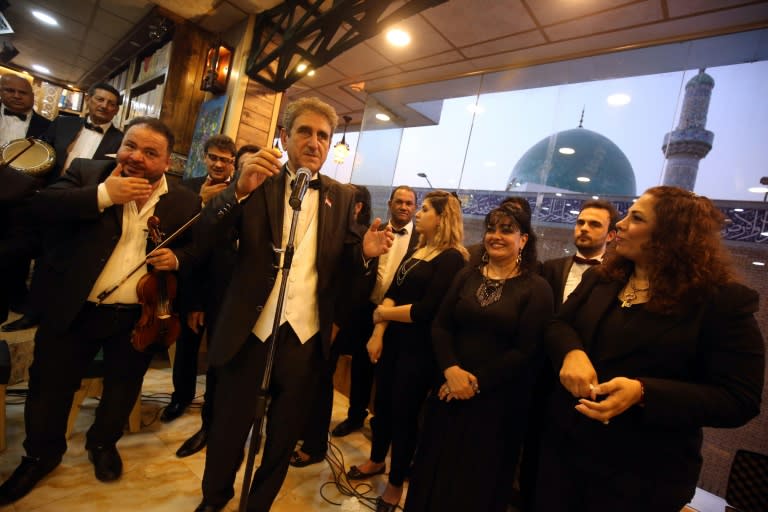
x: 209, y: 122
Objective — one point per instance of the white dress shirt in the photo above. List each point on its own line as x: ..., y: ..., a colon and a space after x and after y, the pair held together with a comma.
x: 12, y: 128
x: 388, y: 263
x: 575, y: 274
x: 85, y: 144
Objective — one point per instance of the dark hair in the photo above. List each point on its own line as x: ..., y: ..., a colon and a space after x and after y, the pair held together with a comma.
x: 689, y: 259
x: 519, y: 202
x: 105, y: 87
x: 402, y: 187
x: 522, y: 221
x: 613, y: 213
x: 222, y: 142
x: 155, y: 125
x: 363, y: 195
x: 247, y: 148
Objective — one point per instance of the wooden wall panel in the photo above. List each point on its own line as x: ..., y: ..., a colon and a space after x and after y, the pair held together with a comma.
x: 258, y: 117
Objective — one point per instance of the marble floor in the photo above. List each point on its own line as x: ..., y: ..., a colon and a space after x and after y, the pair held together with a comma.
x: 154, y: 479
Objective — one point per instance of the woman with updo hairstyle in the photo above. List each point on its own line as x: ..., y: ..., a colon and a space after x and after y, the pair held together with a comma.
x: 486, y: 339
x: 400, y: 344
x: 654, y: 344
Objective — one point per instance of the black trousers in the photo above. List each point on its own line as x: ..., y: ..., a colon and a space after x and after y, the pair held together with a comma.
x: 60, y: 362
x: 294, y: 376
x: 352, y: 340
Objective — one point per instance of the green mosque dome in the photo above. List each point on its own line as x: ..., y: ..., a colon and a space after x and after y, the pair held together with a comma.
x: 577, y: 160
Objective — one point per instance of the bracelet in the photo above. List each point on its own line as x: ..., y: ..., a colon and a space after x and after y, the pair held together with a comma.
x: 641, y: 403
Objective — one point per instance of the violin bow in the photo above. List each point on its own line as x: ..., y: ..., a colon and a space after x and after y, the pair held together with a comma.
x: 109, y: 291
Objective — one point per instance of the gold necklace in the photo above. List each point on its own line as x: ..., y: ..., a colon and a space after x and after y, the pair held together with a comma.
x: 630, y: 296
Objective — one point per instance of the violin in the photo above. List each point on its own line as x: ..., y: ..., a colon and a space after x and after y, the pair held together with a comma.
x: 159, y: 325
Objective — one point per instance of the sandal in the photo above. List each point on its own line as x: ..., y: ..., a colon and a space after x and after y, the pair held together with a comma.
x: 298, y: 461
x: 354, y: 473
x: 383, y: 506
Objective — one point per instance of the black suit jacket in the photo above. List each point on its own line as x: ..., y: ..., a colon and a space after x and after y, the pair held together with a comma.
x: 703, y: 368
x: 85, y: 237
x: 15, y: 185
x: 555, y: 272
x: 259, y: 221
x: 37, y: 125
x: 62, y: 132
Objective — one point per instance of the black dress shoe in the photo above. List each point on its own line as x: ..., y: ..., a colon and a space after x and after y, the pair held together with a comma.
x: 25, y: 322
x: 207, y: 507
x: 25, y: 477
x: 298, y: 462
x: 172, y: 411
x: 346, y: 427
x: 194, y: 444
x: 107, y: 464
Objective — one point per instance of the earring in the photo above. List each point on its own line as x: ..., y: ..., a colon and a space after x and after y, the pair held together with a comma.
x: 485, y: 258
x: 519, y: 257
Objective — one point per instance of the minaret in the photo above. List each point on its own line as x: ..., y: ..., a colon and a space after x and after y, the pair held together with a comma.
x: 691, y: 141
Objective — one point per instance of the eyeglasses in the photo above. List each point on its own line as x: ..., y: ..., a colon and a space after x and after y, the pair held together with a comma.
x: 223, y: 159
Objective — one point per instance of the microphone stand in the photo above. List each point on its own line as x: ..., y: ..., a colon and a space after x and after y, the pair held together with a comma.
x: 262, y: 401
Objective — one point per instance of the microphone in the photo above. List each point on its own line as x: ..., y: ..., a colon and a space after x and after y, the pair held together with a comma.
x: 300, y: 184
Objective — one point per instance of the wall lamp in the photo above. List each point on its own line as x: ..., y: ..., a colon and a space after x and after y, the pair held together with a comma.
x: 218, y: 65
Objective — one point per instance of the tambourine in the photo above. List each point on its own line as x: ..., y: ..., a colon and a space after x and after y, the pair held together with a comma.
x: 35, y: 161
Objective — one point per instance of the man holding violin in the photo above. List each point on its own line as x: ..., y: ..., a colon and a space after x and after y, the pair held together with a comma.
x: 100, y: 210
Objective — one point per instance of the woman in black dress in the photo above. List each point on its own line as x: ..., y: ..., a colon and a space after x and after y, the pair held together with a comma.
x: 657, y: 342
x: 400, y: 343
x: 486, y: 337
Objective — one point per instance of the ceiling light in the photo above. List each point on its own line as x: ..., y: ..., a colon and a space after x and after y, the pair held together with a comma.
x: 758, y: 190
x: 301, y: 67
x: 595, y: 197
x: 738, y: 209
x: 41, y: 69
x: 566, y: 151
x: 45, y: 18
x: 311, y: 72
x: 619, y: 99
x: 583, y: 179
x: 558, y: 194
x: 382, y: 117
x: 759, y: 263
x: 397, y: 37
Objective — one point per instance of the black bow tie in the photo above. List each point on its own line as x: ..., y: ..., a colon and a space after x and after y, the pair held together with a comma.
x: 401, y: 231
x: 91, y: 126
x: 313, y: 184
x: 585, y: 261
x: 23, y: 117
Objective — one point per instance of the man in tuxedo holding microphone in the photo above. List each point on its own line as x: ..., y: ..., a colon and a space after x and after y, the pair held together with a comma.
x: 326, y: 245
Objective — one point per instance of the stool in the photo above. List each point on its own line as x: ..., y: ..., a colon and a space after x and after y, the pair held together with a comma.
x: 92, y: 385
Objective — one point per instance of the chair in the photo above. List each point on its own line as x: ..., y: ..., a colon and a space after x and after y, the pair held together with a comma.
x: 92, y: 386
x: 747, y: 489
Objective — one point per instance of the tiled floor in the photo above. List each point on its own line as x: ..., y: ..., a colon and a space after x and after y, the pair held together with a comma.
x: 154, y: 479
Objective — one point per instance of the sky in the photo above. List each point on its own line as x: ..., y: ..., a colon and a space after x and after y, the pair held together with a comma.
x: 477, y: 148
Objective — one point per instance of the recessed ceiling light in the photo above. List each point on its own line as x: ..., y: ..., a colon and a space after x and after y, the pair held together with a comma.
x: 41, y: 69
x: 619, y: 99
x: 566, y: 151
x: 397, y: 37
x: 301, y: 67
x: 382, y: 117
x: 758, y: 190
x: 759, y: 263
x: 311, y: 72
x: 583, y: 179
x: 45, y: 18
